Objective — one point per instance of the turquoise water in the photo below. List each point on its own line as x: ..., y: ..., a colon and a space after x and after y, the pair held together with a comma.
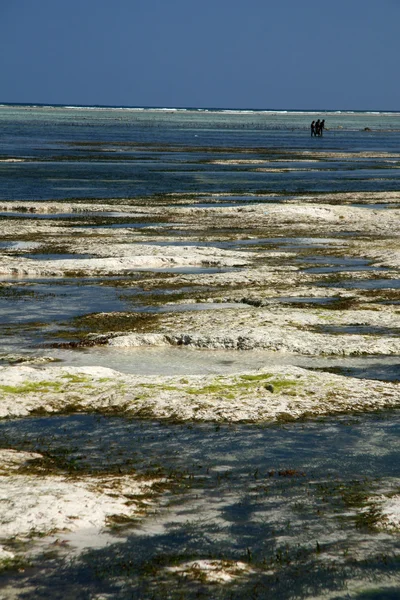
x: 121, y: 153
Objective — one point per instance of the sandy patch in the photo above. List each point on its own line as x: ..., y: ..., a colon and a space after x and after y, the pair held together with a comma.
x: 212, y: 571
x: 33, y: 503
x: 390, y: 510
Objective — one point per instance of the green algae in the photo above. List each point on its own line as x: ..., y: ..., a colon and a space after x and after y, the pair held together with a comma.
x: 219, y: 387
x: 245, y: 383
x: 75, y: 378
x: 43, y: 387
x: 32, y: 387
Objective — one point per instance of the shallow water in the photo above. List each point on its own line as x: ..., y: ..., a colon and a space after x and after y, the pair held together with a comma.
x: 49, y: 216
x: 185, y: 361
x: 338, y: 264
x: 377, y: 206
x: 18, y: 245
x: 369, y: 284
x: 288, y: 243
x: 341, y: 261
x: 69, y: 161
x: 48, y: 301
x: 285, y: 500
x: 58, y: 256
x: 298, y: 530
x: 360, y: 329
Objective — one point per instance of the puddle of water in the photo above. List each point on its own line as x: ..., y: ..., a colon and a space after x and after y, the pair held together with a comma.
x: 337, y: 264
x: 296, y: 242
x: 282, y: 499
x: 48, y: 302
x: 303, y: 300
x: 170, y: 360
x: 66, y: 215
x: 293, y: 242
x: 57, y: 256
x: 341, y: 261
x: 46, y: 216
x: 19, y: 245
x: 233, y: 201
x: 341, y: 268
x: 377, y: 206
x: 381, y: 368
x: 367, y: 284
x: 359, y: 330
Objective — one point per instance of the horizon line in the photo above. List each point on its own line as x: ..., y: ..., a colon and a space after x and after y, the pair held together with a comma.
x: 193, y: 108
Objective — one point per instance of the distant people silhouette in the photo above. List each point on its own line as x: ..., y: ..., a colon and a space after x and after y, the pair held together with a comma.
x: 317, y: 128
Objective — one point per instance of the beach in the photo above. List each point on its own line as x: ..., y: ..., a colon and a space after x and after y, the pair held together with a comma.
x: 199, y: 374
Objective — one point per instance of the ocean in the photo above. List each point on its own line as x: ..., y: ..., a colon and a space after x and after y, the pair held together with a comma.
x: 100, y: 153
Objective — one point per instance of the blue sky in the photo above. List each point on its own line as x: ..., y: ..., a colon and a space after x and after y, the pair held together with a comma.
x: 341, y: 54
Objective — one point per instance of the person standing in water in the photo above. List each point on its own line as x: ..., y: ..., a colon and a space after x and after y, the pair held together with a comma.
x: 317, y: 128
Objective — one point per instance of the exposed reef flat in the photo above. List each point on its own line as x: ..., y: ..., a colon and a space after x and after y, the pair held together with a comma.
x: 331, y: 294
x: 300, y: 275
x: 141, y: 258
x: 307, y: 331
x: 272, y: 394
x: 125, y: 239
